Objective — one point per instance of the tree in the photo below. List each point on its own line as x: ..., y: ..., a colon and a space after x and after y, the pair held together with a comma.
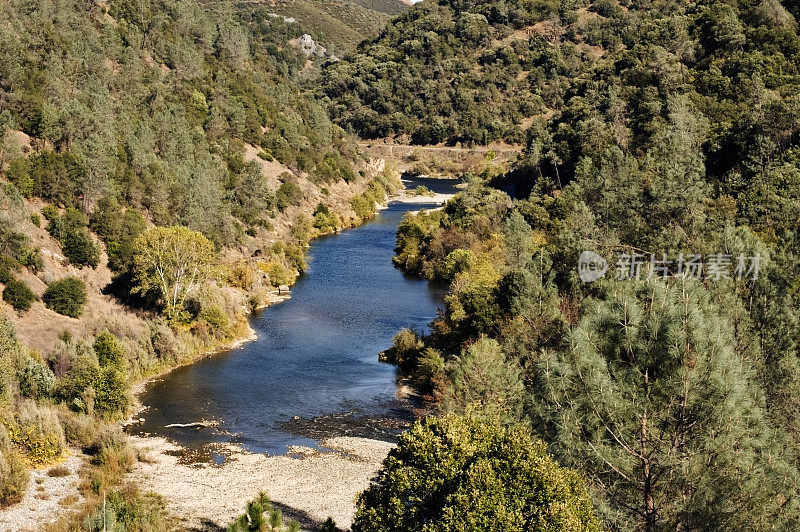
x: 654, y: 404
x: 485, y: 384
x: 460, y: 474
x: 174, y: 261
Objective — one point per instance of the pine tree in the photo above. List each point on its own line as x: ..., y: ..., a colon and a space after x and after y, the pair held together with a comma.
x: 653, y: 403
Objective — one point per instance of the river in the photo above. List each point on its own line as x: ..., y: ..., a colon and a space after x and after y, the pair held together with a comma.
x: 313, y: 372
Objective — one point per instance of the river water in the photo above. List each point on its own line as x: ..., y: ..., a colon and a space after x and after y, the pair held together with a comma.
x: 313, y: 372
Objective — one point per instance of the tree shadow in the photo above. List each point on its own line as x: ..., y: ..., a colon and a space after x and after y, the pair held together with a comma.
x: 290, y: 513
x: 302, y: 517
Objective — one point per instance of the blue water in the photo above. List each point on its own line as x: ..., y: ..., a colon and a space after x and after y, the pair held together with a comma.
x: 313, y: 372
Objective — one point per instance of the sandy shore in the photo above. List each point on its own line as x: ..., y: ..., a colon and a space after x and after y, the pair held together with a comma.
x: 310, y: 488
x: 408, y: 196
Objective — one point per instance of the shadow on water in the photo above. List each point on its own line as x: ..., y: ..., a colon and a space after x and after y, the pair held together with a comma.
x: 313, y: 372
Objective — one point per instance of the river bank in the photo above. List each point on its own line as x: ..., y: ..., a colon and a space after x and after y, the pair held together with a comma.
x: 309, y: 488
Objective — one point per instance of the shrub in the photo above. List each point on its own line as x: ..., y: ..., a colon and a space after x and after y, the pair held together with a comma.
x: 59, y: 472
x: 36, y: 380
x: 74, y: 385
x: 37, y: 432
x: 7, y: 268
x: 80, y: 249
x: 18, y: 295
x: 405, y: 350
x: 111, y: 391
x: 454, y: 473
x: 363, y: 206
x: 215, y: 317
x: 13, y: 472
x: 109, y: 350
x: 288, y: 194
x: 128, y: 510
x: 260, y: 515
x: 241, y: 275
x: 66, y: 296
x: 279, y: 274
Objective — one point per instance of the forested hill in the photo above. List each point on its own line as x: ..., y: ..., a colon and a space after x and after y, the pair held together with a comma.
x: 151, y: 101
x: 571, y: 76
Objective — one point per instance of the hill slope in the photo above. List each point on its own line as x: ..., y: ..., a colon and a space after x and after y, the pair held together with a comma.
x: 476, y: 71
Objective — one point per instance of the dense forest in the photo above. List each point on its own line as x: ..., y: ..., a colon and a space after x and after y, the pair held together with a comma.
x: 670, y: 382
x: 480, y: 71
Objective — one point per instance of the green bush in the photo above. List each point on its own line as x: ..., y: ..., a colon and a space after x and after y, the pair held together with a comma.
x: 74, y: 387
x: 7, y: 268
x: 18, y: 295
x: 80, y: 249
x: 289, y: 193
x: 459, y: 474
x: 109, y: 350
x: 111, y: 389
x: 215, y: 317
x: 260, y: 515
x: 66, y: 296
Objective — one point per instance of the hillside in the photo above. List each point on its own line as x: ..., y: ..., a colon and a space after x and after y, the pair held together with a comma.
x: 161, y: 175
x: 339, y: 24
x: 628, y: 292
x: 476, y: 71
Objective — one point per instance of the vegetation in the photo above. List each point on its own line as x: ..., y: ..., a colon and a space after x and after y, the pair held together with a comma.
x: 261, y: 516
x: 18, y: 295
x: 66, y: 296
x: 173, y: 261
x: 430, y: 482
x: 670, y: 392
x: 566, y: 77
x: 13, y: 473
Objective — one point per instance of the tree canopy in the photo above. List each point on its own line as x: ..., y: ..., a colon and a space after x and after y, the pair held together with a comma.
x: 460, y: 474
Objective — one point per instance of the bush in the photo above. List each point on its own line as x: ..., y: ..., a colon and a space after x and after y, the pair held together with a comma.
x: 111, y: 391
x: 128, y: 510
x: 406, y: 349
x: 18, y: 295
x: 36, y: 380
x: 80, y: 249
x: 76, y: 388
x: 279, y: 274
x: 37, y: 432
x: 215, y: 317
x: 109, y: 350
x: 7, y: 268
x: 289, y: 193
x: 13, y: 472
x: 458, y: 474
x: 66, y: 296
